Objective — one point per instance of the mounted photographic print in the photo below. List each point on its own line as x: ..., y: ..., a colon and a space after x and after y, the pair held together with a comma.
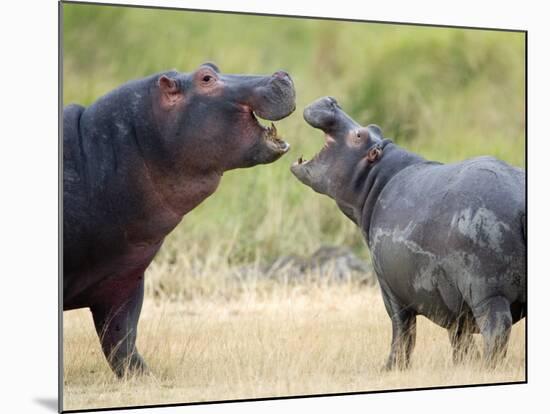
x: 260, y: 206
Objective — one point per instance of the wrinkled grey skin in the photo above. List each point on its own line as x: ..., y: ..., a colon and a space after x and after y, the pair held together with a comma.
x: 447, y: 240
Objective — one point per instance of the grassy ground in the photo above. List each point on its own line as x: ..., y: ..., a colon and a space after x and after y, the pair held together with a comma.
x: 447, y: 94
x: 274, y: 341
x: 208, y: 334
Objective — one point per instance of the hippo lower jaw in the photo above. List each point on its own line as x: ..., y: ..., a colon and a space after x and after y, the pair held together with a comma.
x: 311, y: 172
x: 274, y: 145
x: 301, y: 173
x: 273, y: 141
x: 298, y: 166
x: 300, y: 169
x: 268, y: 146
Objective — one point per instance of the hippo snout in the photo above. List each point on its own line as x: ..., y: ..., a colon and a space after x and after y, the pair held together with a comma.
x: 322, y: 113
x: 276, y: 98
x: 326, y: 114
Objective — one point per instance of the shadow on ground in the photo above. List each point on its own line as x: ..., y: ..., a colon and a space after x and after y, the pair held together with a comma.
x: 49, y: 403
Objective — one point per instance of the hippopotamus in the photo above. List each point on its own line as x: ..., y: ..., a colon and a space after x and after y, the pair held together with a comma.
x: 447, y: 241
x: 134, y: 163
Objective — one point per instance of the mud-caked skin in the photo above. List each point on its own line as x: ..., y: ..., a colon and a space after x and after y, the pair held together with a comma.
x: 447, y: 241
x: 134, y: 163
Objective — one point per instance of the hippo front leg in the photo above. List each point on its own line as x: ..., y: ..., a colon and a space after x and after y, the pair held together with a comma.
x: 403, y: 333
x: 494, y: 319
x: 116, y: 326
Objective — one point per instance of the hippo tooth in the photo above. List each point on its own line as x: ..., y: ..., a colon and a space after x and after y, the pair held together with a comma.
x: 274, y: 129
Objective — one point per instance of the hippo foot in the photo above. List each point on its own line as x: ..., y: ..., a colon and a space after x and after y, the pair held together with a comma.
x: 133, y: 366
x: 493, y: 358
x: 394, y: 364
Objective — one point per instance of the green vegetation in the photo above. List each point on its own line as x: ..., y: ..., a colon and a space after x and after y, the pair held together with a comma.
x: 448, y: 94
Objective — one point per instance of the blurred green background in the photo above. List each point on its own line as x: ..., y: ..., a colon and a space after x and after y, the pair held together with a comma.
x: 448, y: 94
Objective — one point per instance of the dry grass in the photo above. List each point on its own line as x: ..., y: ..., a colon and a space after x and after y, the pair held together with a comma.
x: 270, y: 340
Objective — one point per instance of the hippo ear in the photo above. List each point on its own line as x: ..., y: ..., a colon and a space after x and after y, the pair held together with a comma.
x: 212, y: 65
x: 170, y: 92
x: 375, y: 132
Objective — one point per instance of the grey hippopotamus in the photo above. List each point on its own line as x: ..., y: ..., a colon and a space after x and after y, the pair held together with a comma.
x: 134, y: 163
x: 447, y: 241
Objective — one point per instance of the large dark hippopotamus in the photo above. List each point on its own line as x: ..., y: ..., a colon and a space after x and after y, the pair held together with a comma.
x: 134, y: 163
x: 447, y: 241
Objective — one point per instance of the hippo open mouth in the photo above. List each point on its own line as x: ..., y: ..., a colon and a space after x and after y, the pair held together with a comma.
x: 268, y: 144
x: 267, y: 98
x: 311, y: 171
x: 324, y: 114
x: 301, y: 168
x: 303, y: 161
x: 270, y: 134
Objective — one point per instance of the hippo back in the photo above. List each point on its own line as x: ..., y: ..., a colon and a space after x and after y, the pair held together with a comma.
x: 74, y: 184
x: 444, y: 234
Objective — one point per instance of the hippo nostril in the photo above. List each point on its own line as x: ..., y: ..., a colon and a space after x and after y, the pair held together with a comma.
x: 281, y: 74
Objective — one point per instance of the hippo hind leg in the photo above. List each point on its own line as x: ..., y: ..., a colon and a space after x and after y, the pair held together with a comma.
x: 494, y: 319
x: 403, y: 334
x: 462, y: 340
x: 116, y: 326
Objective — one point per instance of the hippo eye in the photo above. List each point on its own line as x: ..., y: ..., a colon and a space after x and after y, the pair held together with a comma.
x: 207, y: 78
